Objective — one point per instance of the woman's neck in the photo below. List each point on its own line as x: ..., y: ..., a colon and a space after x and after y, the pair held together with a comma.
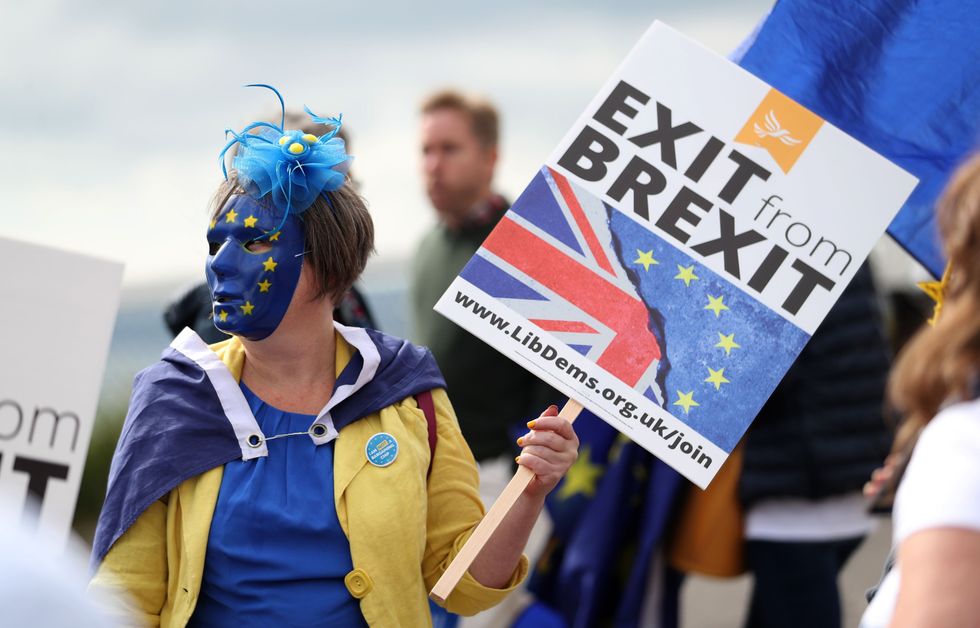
x: 294, y: 368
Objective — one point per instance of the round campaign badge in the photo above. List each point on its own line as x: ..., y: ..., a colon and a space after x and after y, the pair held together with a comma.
x: 381, y: 449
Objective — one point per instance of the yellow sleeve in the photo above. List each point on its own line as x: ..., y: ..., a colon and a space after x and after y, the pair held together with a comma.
x: 135, y: 568
x: 454, y: 510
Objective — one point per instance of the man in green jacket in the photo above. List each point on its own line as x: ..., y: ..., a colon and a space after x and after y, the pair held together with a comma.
x: 459, y: 153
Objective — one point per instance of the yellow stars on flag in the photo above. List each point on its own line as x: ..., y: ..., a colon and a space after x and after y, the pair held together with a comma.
x: 212, y: 224
x: 582, y: 477
x: 222, y: 316
x: 645, y: 258
x: 616, y: 449
x: 727, y: 343
x: 686, y: 401
x: 275, y: 236
x: 937, y: 292
x: 247, y: 308
x: 716, y: 305
x: 250, y: 221
x: 686, y: 274
x: 231, y: 216
x: 264, y: 285
x: 717, y: 377
x: 270, y: 264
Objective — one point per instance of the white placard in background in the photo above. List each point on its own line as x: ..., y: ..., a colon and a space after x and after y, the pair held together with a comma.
x: 57, y: 312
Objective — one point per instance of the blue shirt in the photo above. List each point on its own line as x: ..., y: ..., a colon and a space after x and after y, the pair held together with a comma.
x: 276, y: 553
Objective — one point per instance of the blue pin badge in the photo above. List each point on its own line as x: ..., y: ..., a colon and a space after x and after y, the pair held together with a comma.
x: 381, y: 449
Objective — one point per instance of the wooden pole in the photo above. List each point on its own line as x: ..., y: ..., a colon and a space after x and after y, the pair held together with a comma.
x: 471, y: 549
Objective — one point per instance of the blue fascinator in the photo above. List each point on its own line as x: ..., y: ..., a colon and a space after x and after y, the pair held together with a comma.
x: 292, y: 167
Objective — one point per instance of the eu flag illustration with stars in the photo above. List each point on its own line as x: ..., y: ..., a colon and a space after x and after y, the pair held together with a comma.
x: 636, y: 305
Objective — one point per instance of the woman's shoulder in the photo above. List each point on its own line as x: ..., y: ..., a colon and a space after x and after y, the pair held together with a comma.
x: 387, y: 343
x: 954, y: 430
x: 383, y: 350
x: 941, y: 486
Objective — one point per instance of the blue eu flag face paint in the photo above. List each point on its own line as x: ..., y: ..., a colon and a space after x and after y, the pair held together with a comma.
x: 252, y: 280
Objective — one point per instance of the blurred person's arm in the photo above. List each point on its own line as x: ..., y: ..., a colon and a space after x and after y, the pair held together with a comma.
x: 937, y: 524
x: 940, y: 570
x: 135, y: 567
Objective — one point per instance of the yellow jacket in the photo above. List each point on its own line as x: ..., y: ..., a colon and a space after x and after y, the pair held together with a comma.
x: 403, y: 529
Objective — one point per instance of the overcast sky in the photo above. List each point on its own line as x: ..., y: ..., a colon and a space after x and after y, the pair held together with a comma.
x: 112, y: 113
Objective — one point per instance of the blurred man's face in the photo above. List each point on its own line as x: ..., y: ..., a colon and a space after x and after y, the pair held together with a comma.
x: 456, y: 166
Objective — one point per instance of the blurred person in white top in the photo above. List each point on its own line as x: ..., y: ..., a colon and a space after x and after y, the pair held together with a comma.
x: 43, y: 581
x: 936, y: 383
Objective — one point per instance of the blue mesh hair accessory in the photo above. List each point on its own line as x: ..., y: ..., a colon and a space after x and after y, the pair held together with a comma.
x: 292, y: 167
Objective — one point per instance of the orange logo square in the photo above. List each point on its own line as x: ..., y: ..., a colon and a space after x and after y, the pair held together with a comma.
x: 781, y: 126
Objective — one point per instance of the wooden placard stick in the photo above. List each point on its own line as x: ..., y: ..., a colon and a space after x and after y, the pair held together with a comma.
x: 471, y: 549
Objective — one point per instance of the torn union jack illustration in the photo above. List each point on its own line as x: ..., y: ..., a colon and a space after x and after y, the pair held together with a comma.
x: 635, y: 305
x: 554, y: 250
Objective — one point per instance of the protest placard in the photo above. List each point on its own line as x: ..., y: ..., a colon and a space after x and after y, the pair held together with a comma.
x: 56, y: 320
x: 678, y: 249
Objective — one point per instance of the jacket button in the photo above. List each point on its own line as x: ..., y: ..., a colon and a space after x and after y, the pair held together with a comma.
x: 358, y: 583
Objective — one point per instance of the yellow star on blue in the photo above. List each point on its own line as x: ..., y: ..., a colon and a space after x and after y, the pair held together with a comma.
x: 582, y: 477
x: 617, y: 448
x: 727, y: 342
x: 716, y: 305
x: 645, y: 258
x: 717, y: 377
x: 686, y: 401
x: 937, y: 292
x: 686, y: 274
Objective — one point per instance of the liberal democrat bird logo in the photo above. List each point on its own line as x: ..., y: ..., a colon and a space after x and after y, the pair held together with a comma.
x: 773, y: 129
x: 784, y: 137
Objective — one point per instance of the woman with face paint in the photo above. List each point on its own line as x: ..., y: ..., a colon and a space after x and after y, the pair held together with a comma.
x: 301, y: 473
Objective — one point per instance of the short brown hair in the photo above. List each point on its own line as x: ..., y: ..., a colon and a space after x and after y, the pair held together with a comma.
x: 482, y: 114
x: 338, y: 233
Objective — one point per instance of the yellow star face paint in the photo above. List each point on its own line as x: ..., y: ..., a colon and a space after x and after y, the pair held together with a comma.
x: 241, y: 264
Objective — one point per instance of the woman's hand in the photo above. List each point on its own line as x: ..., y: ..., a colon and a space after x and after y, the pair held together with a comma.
x: 881, y: 476
x: 549, y: 449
